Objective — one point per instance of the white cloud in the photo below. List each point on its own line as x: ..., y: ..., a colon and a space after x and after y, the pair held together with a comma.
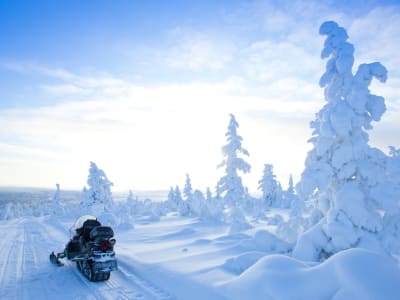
x: 198, y: 51
x: 270, y: 60
x: 64, y: 89
x: 146, y: 137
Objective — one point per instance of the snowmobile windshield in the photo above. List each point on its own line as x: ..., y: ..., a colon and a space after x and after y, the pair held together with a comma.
x: 79, y: 223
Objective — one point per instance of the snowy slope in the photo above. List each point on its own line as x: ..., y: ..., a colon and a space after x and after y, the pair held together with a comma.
x: 182, y: 258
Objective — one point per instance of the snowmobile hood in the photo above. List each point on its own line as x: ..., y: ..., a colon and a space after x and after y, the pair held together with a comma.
x: 79, y: 223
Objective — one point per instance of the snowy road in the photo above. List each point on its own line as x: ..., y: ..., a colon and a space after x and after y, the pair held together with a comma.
x: 25, y: 271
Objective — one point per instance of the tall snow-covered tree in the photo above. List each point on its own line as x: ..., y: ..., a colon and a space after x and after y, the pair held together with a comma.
x: 84, y: 200
x: 290, y: 189
x: 132, y: 204
x: 187, y: 189
x: 342, y: 172
x: 98, y: 197
x: 270, y: 187
x: 182, y: 206
x: 230, y: 185
x: 171, y: 199
x: 209, y: 196
x: 289, y: 198
x: 177, y: 194
x: 391, y: 236
x: 56, y: 208
x: 130, y: 197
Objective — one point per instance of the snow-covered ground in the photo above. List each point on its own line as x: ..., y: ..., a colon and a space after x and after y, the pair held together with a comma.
x: 184, y: 258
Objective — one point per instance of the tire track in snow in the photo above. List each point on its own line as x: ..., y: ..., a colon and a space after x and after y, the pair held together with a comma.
x: 31, y: 264
x: 10, y: 252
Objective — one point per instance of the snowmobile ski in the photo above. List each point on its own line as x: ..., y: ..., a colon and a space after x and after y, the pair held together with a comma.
x: 55, y: 260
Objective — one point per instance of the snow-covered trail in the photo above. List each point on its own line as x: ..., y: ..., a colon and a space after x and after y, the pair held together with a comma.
x: 26, y: 273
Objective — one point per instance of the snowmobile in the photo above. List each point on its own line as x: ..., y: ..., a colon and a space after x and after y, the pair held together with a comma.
x: 92, y: 248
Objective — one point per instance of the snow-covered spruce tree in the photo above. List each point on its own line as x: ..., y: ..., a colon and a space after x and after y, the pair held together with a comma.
x: 97, y: 198
x: 391, y: 220
x: 214, y: 205
x: 342, y: 172
x: 132, y: 204
x: 290, y: 230
x: 230, y: 185
x: 209, y: 196
x: 198, y: 206
x: 194, y: 204
x: 270, y: 187
x: 187, y: 189
x: 290, y: 189
x: 182, y: 206
x: 56, y: 208
x: 172, y: 203
x: 177, y: 194
x: 292, y: 200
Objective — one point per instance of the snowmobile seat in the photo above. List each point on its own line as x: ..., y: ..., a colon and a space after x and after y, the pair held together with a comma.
x: 87, y: 227
x: 104, y: 232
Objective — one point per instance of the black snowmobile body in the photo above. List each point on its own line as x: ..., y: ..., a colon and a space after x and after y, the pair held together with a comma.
x: 91, y: 247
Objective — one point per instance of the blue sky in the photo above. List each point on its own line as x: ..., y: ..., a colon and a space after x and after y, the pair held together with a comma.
x: 145, y: 88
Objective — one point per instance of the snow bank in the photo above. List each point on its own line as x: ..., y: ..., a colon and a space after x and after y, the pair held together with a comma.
x: 350, y: 274
x: 240, y: 263
x: 266, y: 242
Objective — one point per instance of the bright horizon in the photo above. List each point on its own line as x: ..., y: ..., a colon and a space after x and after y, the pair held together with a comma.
x: 145, y: 90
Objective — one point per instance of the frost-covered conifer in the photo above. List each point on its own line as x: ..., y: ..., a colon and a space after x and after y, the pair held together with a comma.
x: 132, y: 204
x: 130, y: 197
x: 290, y: 189
x: 342, y: 172
x: 172, y: 203
x: 231, y: 183
x: 290, y: 199
x: 84, y: 200
x: 187, y: 190
x: 198, y: 205
x: 56, y: 196
x: 217, y: 192
x: 182, y: 206
x: 177, y: 194
x: 270, y: 187
x: 97, y: 198
x: 215, y: 205
x: 208, y: 195
x: 56, y: 208
x: 171, y: 195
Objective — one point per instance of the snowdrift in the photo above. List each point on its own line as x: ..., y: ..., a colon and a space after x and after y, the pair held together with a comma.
x: 350, y: 274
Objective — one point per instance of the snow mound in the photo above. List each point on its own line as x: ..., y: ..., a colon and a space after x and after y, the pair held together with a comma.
x: 125, y: 226
x: 350, y: 274
x: 239, y: 264
x: 266, y: 242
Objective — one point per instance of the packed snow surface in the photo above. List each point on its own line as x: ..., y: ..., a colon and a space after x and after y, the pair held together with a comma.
x: 184, y: 258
